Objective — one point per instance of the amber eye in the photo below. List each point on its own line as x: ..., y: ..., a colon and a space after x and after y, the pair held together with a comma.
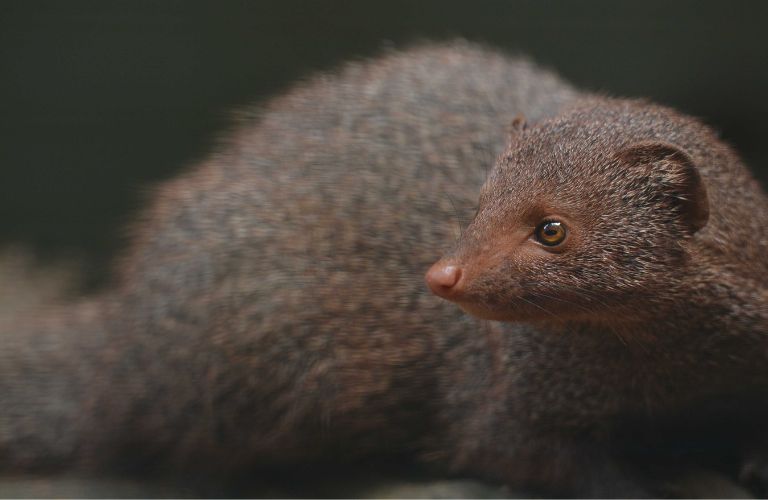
x: 550, y: 233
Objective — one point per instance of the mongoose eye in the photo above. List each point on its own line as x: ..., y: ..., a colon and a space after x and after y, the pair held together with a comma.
x: 550, y: 233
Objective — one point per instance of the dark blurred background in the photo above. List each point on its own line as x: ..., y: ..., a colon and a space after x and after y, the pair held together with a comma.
x: 99, y: 99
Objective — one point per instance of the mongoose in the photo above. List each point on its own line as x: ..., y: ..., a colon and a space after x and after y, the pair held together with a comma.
x: 270, y: 307
x: 629, y: 239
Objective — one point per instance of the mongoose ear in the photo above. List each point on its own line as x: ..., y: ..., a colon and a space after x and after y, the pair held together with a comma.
x: 674, y: 172
x: 516, y: 127
x: 518, y: 124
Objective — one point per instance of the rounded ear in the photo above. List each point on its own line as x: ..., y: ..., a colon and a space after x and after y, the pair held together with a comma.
x: 518, y: 123
x: 516, y: 127
x: 674, y: 173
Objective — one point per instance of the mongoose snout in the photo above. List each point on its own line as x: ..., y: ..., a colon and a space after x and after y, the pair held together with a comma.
x: 444, y: 279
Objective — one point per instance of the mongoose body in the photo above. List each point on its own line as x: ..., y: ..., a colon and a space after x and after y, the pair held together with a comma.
x: 270, y: 307
x: 270, y: 304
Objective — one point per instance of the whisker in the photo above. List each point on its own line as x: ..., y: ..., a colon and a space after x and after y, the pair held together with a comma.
x: 583, y: 293
x: 542, y: 308
x: 457, y: 214
x: 539, y: 294
x: 618, y: 335
x: 593, y: 296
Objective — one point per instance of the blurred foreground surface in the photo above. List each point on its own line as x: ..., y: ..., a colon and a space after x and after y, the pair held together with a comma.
x: 697, y: 485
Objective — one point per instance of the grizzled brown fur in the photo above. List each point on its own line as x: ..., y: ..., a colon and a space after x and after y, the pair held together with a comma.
x: 271, y: 306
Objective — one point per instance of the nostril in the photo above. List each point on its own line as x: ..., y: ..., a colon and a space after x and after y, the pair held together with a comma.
x: 441, y: 277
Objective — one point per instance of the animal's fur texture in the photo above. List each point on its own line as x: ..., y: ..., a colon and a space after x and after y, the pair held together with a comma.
x: 271, y: 307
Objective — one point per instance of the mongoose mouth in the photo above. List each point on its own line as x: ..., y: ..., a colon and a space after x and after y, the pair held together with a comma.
x: 483, y: 311
x: 448, y: 280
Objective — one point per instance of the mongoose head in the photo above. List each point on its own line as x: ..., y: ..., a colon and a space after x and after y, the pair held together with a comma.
x: 591, y: 215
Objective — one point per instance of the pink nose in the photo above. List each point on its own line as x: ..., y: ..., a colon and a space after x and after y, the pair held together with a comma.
x: 442, y: 278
